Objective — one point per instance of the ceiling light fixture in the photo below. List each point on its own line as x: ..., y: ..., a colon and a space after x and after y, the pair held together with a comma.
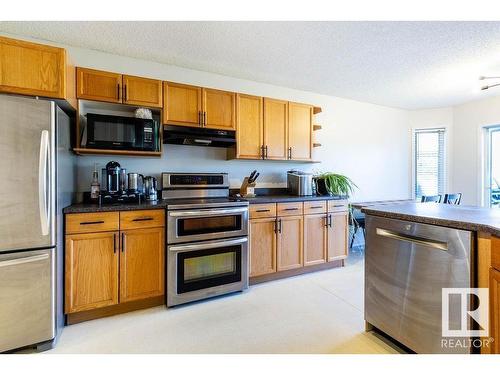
x: 489, y: 86
x: 484, y: 77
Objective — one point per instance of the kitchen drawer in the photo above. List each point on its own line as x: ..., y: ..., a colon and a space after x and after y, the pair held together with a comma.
x: 338, y: 205
x: 258, y: 211
x: 495, y: 252
x: 142, y: 219
x: 92, y: 222
x: 314, y: 207
x: 290, y: 209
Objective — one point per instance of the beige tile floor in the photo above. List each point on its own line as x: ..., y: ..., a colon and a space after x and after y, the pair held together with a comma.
x: 320, y: 312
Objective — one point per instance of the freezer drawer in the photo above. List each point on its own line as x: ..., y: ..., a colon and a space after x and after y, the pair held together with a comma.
x: 26, y: 298
x: 406, y: 266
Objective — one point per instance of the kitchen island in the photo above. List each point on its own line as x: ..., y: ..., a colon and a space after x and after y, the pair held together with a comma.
x: 414, y: 250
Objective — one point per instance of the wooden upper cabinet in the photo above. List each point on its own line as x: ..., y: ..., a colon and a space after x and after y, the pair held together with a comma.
x: 32, y: 69
x: 290, y: 243
x: 141, y: 264
x: 182, y: 104
x: 142, y: 91
x: 98, y: 85
x: 275, y: 128
x: 338, y: 236
x: 249, y: 126
x: 219, y: 109
x: 300, y: 128
x: 262, y: 246
x: 315, y: 239
x: 91, y: 262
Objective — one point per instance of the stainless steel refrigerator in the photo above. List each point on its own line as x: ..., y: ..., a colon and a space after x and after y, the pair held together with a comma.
x: 37, y: 180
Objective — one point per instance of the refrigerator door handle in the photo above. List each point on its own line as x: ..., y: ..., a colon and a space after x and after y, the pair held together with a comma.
x: 43, y: 163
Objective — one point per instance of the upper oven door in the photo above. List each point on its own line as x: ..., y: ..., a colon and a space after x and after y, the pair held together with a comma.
x: 206, y: 224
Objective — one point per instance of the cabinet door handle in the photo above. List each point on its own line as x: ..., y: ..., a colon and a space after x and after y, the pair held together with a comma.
x: 92, y: 222
x: 279, y: 225
x: 275, y: 225
x: 124, y: 93
x: 143, y: 219
x: 262, y: 152
x: 266, y: 151
x: 199, y: 118
x: 326, y: 220
x: 266, y: 210
x: 118, y: 91
x: 204, y: 119
x: 289, y: 152
x: 123, y: 242
x: 114, y: 243
x: 330, y: 220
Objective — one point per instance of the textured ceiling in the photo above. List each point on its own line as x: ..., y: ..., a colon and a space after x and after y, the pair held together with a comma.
x: 400, y: 64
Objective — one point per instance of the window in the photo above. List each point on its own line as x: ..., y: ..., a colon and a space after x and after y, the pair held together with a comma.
x: 429, y: 158
x: 492, y: 165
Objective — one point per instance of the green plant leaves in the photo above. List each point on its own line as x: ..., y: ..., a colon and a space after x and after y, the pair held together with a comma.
x: 338, y: 184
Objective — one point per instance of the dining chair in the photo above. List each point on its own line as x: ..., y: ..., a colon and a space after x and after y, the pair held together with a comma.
x: 452, y: 198
x: 431, y: 198
x: 357, y: 220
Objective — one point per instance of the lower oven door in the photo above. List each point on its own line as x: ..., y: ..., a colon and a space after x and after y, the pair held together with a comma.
x: 206, y: 224
x: 205, y: 269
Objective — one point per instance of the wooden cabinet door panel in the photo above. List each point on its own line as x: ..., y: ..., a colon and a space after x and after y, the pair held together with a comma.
x: 290, y: 243
x: 32, y: 69
x: 91, y: 262
x: 300, y: 131
x: 142, y: 91
x: 262, y: 246
x: 337, y: 236
x: 315, y: 239
x: 98, y: 85
x: 249, y: 126
x: 220, y: 109
x: 181, y: 104
x: 275, y: 128
x: 141, y: 264
x: 494, y: 305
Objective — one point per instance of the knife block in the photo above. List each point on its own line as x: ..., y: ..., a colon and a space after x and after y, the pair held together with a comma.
x: 247, y: 190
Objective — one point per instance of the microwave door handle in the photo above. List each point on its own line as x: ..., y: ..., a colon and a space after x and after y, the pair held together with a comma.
x: 209, y: 245
x: 208, y: 212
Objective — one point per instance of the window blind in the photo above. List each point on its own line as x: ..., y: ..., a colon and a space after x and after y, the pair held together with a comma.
x: 429, y: 156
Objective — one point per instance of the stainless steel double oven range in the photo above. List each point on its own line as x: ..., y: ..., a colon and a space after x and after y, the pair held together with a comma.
x: 207, y: 237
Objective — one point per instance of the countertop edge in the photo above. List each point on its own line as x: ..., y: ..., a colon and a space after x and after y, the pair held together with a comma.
x: 465, y: 225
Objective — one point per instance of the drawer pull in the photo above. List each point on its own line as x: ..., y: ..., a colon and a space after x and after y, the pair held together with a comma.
x: 291, y: 209
x: 143, y: 219
x: 92, y: 222
x: 313, y: 207
x: 338, y: 205
x: 266, y: 210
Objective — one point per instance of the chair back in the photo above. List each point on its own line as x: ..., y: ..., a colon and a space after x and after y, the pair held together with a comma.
x: 452, y: 198
x: 431, y: 198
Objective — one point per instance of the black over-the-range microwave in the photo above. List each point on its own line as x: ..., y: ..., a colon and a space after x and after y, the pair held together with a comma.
x: 122, y: 133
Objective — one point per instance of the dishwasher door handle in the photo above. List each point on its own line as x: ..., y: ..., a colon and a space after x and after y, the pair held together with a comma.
x: 413, y: 239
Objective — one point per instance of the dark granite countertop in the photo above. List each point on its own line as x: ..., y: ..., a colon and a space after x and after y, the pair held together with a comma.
x: 162, y: 204
x: 460, y: 217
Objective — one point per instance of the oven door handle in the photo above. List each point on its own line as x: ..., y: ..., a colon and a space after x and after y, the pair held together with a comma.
x: 208, y: 212
x: 208, y: 245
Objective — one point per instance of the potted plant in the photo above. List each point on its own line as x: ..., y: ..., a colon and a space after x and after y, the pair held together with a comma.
x: 329, y: 183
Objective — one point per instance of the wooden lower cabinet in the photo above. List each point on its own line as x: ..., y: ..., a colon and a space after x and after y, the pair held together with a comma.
x: 262, y: 246
x: 315, y: 239
x: 141, y: 264
x: 495, y: 310
x: 290, y: 243
x: 91, y: 271
x: 338, y: 235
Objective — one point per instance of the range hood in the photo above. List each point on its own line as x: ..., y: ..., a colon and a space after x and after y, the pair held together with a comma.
x: 194, y: 136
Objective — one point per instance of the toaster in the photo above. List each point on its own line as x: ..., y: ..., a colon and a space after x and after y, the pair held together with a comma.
x: 299, y: 183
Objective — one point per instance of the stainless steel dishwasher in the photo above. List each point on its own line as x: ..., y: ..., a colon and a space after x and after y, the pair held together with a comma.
x: 406, y: 266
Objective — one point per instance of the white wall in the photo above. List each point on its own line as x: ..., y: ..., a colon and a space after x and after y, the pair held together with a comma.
x: 367, y: 142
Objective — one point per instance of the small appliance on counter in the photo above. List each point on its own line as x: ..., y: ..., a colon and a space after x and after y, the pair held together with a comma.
x: 150, y: 188
x: 135, y: 183
x: 299, y: 183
